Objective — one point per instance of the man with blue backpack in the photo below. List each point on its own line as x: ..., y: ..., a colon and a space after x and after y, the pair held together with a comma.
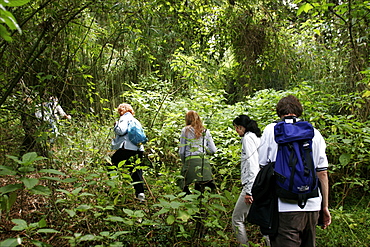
x: 297, y: 152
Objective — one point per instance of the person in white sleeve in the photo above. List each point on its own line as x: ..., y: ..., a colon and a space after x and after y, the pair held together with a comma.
x: 51, y: 112
x: 250, y: 135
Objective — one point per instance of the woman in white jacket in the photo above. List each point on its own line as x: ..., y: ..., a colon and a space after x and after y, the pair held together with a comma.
x: 248, y: 130
x: 126, y: 150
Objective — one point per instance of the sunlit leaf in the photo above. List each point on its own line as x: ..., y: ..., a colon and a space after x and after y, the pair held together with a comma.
x: 170, y: 219
x: 20, y: 225
x: 47, y: 231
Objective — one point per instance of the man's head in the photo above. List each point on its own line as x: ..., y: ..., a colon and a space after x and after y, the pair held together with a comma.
x: 289, y: 105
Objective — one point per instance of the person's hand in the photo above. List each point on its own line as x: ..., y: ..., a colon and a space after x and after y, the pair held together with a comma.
x: 248, y: 199
x: 326, y: 218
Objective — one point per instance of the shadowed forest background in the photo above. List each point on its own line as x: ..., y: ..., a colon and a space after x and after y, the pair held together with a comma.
x: 220, y: 58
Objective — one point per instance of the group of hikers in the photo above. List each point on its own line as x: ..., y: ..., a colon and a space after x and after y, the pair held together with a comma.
x: 296, y: 218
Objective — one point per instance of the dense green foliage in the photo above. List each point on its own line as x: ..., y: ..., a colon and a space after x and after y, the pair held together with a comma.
x: 88, y: 208
x: 220, y: 58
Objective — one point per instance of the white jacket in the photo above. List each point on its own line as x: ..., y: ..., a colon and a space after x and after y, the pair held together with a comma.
x: 121, y: 140
x: 249, y: 160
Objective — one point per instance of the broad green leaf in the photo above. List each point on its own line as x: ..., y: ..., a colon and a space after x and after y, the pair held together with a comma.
x: 128, y: 212
x: 76, y: 191
x: 104, y: 234
x: 52, y: 171
x: 20, y: 225
x: 41, y: 190
x: 47, y: 231
x: 42, y: 223
x: 115, y: 219
x: 29, y: 182
x: 71, y: 213
x: 11, y: 242
x: 347, y: 141
x: 29, y: 158
x: 139, y: 213
x: 7, y: 172
x: 162, y: 211
x: 83, y: 207
x: 8, y: 201
x: 304, y: 7
x: 170, y: 219
x: 117, y: 234
x: 5, y: 167
x: 175, y: 204
x: 86, y: 194
x: 26, y: 169
x: 366, y: 94
x: 34, y: 225
x: 10, y: 187
x: 344, y: 159
x: 219, y: 207
x: 88, y: 237
x: 13, y: 157
x: 64, y: 191
x: 69, y: 180
x: 5, y: 34
x: 183, y: 215
x: 60, y: 201
x: 9, y: 20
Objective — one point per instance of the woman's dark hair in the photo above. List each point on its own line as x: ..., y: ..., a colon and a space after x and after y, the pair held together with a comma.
x: 289, y: 105
x: 249, y: 124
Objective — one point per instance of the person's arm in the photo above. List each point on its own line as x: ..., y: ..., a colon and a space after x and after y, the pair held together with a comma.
x: 61, y: 112
x: 182, y: 147
x: 211, y: 147
x: 324, y: 181
x: 250, y: 165
x: 321, y: 162
x: 268, y: 147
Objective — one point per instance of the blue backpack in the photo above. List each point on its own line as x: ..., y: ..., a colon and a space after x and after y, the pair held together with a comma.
x: 294, y: 167
x: 136, y: 133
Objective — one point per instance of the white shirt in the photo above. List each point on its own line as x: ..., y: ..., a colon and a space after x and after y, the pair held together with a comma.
x: 267, y: 153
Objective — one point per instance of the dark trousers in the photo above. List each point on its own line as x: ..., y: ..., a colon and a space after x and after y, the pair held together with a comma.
x: 296, y: 229
x: 130, y: 157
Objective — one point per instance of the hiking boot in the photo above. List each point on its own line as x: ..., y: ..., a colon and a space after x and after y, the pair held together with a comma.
x: 141, y: 197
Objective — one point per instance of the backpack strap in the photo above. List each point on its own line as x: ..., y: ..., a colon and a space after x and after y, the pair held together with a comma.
x: 292, y: 163
x: 309, y: 162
